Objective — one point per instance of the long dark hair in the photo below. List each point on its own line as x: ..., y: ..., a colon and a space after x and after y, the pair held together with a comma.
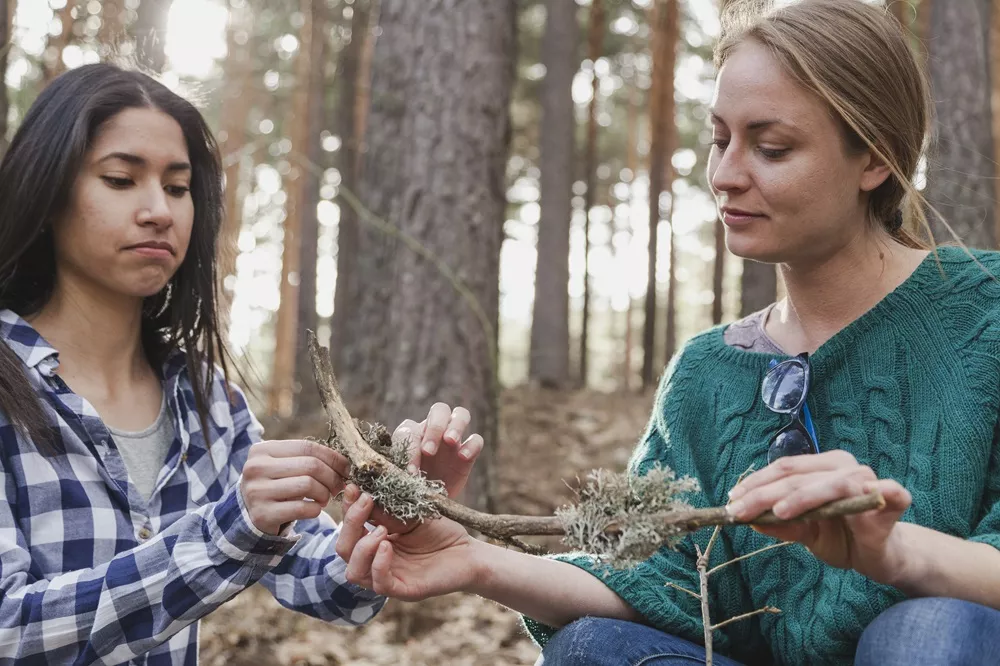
x: 36, y: 176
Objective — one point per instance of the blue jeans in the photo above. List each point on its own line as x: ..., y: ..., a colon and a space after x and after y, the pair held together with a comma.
x: 930, y: 631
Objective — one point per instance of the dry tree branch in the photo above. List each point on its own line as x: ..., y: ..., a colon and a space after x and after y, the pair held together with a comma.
x: 372, y: 470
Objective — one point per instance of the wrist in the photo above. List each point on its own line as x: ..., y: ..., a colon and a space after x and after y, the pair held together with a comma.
x: 484, y: 559
x: 901, y: 560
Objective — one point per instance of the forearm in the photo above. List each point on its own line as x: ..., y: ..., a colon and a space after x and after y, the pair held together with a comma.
x: 549, y: 591
x: 934, y: 564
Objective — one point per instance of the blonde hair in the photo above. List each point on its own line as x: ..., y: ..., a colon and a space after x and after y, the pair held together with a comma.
x: 854, y: 56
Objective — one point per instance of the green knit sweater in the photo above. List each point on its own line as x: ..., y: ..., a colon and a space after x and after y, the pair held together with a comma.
x: 911, y: 388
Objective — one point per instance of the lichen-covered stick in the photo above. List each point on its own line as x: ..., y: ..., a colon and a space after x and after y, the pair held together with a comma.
x: 409, y: 497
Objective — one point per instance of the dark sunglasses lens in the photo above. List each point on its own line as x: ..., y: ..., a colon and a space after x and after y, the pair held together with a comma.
x: 783, y: 386
x: 791, y: 442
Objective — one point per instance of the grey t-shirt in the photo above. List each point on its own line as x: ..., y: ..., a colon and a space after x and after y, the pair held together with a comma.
x: 749, y: 334
x: 145, y: 451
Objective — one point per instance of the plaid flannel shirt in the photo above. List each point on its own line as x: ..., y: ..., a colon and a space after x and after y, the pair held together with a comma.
x: 92, y: 572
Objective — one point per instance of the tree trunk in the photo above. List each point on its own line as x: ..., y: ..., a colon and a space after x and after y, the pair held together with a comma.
x: 309, y: 153
x: 671, y: 36
x: 282, y: 390
x: 995, y: 98
x: 113, y: 17
x: 549, y: 355
x: 632, y: 159
x: 446, y: 190
x: 236, y: 106
x: 347, y: 122
x: 52, y: 62
x: 595, y: 41
x: 718, y: 271
x: 960, y: 173
x: 660, y: 104
x: 5, y: 39
x: 759, y: 287
x: 150, y: 34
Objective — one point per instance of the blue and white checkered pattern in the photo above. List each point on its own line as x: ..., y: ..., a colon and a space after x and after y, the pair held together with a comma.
x: 91, y: 572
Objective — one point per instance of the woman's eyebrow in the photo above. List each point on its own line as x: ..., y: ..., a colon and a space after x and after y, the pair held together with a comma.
x: 139, y: 161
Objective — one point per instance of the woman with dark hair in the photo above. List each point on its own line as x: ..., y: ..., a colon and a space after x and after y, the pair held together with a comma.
x: 136, y: 496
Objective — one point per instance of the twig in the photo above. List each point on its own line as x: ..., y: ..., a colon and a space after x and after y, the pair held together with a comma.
x: 759, y: 611
x: 684, y: 589
x: 706, y: 618
x: 756, y: 552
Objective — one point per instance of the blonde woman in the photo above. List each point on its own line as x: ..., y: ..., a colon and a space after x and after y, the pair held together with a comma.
x: 882, y: 364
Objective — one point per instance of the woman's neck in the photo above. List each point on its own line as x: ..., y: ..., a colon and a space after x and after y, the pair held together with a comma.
x: 824, y: 297
x: 98, y: 335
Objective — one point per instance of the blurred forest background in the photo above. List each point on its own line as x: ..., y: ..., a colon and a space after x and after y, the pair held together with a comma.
x: 494, y: 203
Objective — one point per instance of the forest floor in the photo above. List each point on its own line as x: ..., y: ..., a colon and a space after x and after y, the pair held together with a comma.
x: 548, y: 440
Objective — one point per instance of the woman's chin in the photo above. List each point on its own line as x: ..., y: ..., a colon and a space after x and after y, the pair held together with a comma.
x: 753, y: 249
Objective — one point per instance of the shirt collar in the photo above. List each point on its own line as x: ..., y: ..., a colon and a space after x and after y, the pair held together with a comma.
x: 27, y: 344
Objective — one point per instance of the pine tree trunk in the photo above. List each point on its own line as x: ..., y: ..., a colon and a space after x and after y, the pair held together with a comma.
x: 995, y: 97
x: 113, y: 16
x: 283, y: 388
x: 718, y: 271
x: 447, y: 192
x: 672, y: 36
x: 52, y: 63
x: 310, y: 172
x: 632, y: 159
x: 150, y: 33
x: 960, y: 173
x: 759, y: 287
x: 661, y: 14
x: 5, y: 38
x: 236, y: 106
x: 347, y: 123
x: 595, y: 40
x: 549, y: 354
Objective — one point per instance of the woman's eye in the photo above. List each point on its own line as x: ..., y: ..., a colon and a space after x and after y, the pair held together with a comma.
x: 721, y: 144
x: 177, y: 190
x: 773, y: 153
x: 117, y: 182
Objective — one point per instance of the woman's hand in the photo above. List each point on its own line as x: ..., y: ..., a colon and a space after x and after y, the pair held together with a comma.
x: 283, y: 481
x: 439, y: 447
x: 435, y: 558
x: 790, y: 486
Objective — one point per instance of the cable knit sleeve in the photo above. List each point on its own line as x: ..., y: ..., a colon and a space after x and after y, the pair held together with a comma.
x: 645, y: 586
x: 988, y: 528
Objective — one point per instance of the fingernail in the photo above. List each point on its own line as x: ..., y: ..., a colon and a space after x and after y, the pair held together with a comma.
x: 429, y: 447
x: 735, y: 509
x: 411, y: 468
x: 466, y: 454
x: 379, y: 531
x: 736, y: 493
x: 452, y: 435
x: 365, y: 499
x: 351, y: 494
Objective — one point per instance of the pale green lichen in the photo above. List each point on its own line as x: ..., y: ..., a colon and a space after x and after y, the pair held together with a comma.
x: 629, y: 502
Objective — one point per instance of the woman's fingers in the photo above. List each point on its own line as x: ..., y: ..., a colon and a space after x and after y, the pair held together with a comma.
x: 823, y: 488
x: 410, y: 433
x: 291, y: 488
x: 792, y: 465
x: 359, y: 563
x: 438, y: 419
x: 471, y: 448
x: 383, y: 581
x: 352, y: 529
x: 459, y: 422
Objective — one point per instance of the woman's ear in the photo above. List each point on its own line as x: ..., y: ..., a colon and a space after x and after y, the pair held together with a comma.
x: 875, y: 172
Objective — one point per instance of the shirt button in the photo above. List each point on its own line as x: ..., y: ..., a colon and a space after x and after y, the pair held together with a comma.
x: 144, y: 534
